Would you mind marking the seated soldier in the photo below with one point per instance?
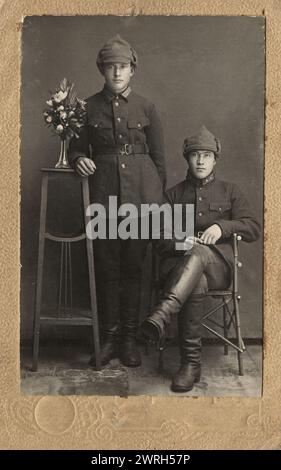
(220, 209)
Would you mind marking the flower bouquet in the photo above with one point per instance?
(66, 114)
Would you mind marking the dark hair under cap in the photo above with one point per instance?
(203, 140)
(117, 49)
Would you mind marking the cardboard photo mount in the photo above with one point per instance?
(73, 422)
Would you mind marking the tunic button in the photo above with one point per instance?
(123, 165)
(116, 103)
(200, 198)
(118, 119)
(139, 124)
(200, 214)
(120, 136)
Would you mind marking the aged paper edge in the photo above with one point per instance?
(134, 422)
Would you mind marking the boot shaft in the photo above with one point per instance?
(109, 307)
(189, 327)
(182, 282)
(129, 307)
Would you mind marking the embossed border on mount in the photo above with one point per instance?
(134, 422)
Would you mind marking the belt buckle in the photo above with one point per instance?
(126, 150)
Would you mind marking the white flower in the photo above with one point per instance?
(59, 128)
(60, 96)
(63, 114)
(49, 119)
(49, 103)
(82, 102)
(71, 113)
(61, 108)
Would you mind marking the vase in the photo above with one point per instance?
(62, 161)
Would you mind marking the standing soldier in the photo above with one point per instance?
(220, 210)
(122, 147)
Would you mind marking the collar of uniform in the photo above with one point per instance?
(198, 182)
(110, 96)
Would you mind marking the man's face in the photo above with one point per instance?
(201, 163)
(117, 76)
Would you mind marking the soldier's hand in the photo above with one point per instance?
(189, 243)
(85, 166)
(211, 235)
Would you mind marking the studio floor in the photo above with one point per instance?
(64, 370)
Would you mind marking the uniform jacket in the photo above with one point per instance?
(114, 121)
(215, 202)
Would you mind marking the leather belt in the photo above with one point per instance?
(125, 149)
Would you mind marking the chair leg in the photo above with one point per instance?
(225, 329)
(240, 363)
(240, 343)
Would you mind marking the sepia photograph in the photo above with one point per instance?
(142, 189)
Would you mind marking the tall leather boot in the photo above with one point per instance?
(129, 353)
(181, 283)
(109, 321)
(189, 326)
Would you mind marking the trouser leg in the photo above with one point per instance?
(107, 261)
(131, 271)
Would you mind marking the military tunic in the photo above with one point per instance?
(124, 137)
(215, 202)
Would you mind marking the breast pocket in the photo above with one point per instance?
(137, 129)
(220, 208)
(101, 131)
(138, 123)
(99, 123)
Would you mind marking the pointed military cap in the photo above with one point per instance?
(203, 140)
(117, 49)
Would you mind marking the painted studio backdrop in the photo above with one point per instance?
(197, 70)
